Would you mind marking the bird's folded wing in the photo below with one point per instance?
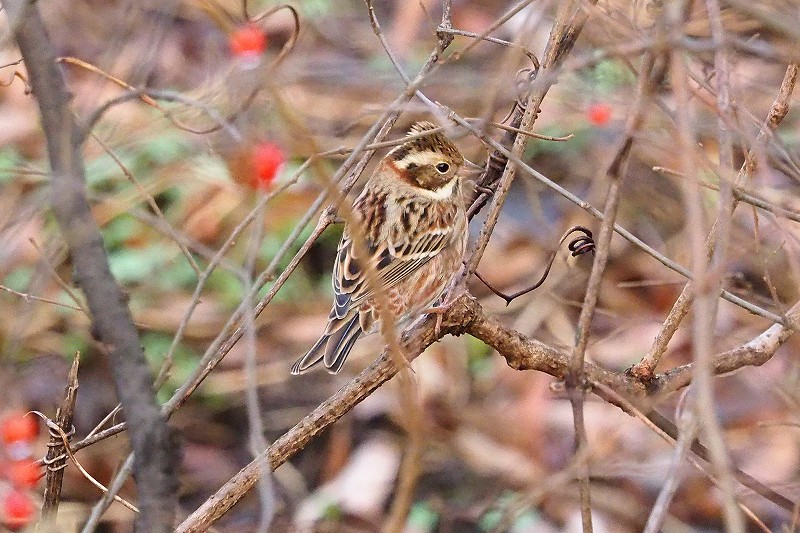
(393, 263)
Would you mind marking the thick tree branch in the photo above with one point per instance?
(111, 320)
(521, 353)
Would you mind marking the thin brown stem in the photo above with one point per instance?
(521, 353)
(56, 452)
(780, 107)
(707, 287)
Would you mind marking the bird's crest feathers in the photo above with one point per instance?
(436, 143)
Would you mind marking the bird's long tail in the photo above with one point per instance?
(332, 348)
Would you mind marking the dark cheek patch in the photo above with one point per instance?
(422, 176)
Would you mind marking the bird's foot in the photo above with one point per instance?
(439, 310)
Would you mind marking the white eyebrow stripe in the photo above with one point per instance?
(442, 193)
(420, 158)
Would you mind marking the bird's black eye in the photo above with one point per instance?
(442, 168)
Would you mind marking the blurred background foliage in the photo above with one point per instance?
(494, 437)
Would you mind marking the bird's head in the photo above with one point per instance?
(430, 161)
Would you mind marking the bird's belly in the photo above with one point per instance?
(409, 298)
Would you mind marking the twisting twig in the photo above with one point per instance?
(577, 246)
(58, 433)
(56, 452)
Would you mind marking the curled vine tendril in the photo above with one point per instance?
(580, 245)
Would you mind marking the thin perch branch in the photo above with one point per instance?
(520, 352)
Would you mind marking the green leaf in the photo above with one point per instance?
(19, 278)
(119, 230)
(9, 158)
(422, 517)
(609, 75)
(136, 265)
(164, 148)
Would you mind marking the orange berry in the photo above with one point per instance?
(16, 427)
(23, 473)
(598, 114)
(17, 510)
(267, 159)
(247, 40)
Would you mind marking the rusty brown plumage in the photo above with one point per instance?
(413, 218)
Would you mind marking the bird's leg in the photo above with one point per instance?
(439, 311)
(447, 299)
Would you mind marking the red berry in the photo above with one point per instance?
(17, 427)
(267, 160)
(23, 474)
(17, 511)
(598, 114)
(247, 41)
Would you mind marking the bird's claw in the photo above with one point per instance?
(439, 310)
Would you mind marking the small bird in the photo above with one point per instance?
(411, 214)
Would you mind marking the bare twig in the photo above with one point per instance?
(521, 353)
(29, 297)
(575, 381)
(56, 453)
(149, 199)
(688, 428)
(64, 438)
(578, 246)
(257, 440)
(109, 495)
(741, 195)
(706, 287)
(780, 107)
(669, 432)
(69, 291)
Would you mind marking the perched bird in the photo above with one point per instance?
(412, 216)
